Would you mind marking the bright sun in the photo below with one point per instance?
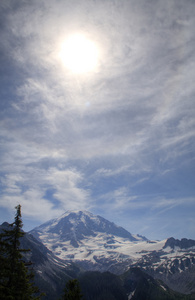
(79, 54)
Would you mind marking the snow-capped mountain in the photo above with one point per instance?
(94, 243)
(77, 225)
(90, 240)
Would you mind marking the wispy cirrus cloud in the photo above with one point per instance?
(112, 138)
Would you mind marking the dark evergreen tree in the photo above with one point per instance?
(72, 290)
(16, 280)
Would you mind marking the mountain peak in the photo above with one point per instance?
(76, 214)
(79, 224)
(81, 230)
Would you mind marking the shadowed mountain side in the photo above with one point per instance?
(134, 284)
(51, 272)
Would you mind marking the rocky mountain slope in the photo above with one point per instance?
(51, 272)
(174, 264)
(97, 244)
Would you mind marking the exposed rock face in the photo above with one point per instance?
(183, 244)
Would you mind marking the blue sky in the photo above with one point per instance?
(117, 141)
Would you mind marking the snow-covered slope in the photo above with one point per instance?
(76, 225)
(87, 238)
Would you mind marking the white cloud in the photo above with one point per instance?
(30, 185)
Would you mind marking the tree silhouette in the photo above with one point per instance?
(16, 281)
(72, 290)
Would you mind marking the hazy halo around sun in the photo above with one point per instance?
(79, 54)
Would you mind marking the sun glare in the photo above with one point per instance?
(79, 54)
